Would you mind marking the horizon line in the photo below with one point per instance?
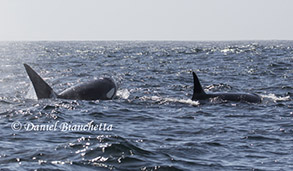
(138, 40)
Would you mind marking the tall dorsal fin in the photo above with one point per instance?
(197, 89)
(42, 89)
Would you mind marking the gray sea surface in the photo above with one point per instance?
(152, 123)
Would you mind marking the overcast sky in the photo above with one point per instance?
(146, 19)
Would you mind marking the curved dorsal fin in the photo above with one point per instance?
(197, 89)
(42, 89)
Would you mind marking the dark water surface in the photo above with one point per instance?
(152, 124)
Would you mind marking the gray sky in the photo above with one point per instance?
(146, 19)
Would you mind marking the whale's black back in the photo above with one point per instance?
(199, 94)
(100, 89)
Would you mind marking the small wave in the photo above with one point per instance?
(173, 100)
(275, 98)
(5, 101)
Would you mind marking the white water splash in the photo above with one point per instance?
(124, 93)
(174, 100)
(275, 98)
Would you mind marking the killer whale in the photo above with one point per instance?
(99, 89)
(199, 94)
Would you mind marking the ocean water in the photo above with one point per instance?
(151, 124)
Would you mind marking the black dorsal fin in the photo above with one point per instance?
(42, 89)
(197, 89)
